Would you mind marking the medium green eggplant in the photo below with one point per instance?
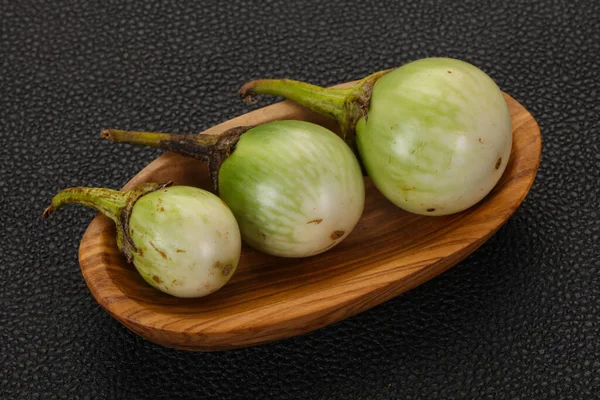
(294, 187)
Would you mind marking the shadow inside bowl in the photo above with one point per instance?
(385, 225)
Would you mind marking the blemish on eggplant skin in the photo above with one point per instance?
(226, 269)
(498, 163)
(162, 253)
(337, 234)
(315, 221)
(157, 279)
(430, 209)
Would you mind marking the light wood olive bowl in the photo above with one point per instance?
(389, 252)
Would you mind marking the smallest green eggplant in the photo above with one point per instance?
(184, 241)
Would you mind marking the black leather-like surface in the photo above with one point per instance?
(519, 319)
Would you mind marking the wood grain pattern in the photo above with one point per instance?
(269, 298)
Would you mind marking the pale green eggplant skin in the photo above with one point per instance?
(187, 241)
(438, 136)
(295, 188)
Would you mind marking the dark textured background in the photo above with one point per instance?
(519, 319)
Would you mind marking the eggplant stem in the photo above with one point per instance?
(165, 141)
(326, 101)
(107, 201)
(114, 204)
(346, 106)
(213, 149)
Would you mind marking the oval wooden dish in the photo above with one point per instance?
(389, 252)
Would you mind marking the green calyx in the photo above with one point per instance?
(346, 105)
(213, 149)
(114, 204)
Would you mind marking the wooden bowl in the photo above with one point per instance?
(389, 252)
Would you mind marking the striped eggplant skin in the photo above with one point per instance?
(438, 136)
(295, 188)
(187, 241)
